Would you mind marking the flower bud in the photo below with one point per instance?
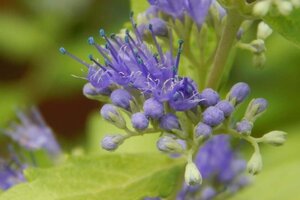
(254, 165)
(202, 130)
(244, 127)
(261, 8)
(255, 108)
(192, 175)
(159, 27)
(226, 107)
(139, 121)
(111, 113)
(121, 98)
(95, 93)
(275, 138)
(238, 93)
(169, 122)
(263, 31)
(285, 7)
(169, 145)
(210, 97)
(153, 108)
(213, 116)
(112, 142)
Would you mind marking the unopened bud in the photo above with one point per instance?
(245, 127)
(275, 138)
(139, 121)
(192, 175)
(254, 165)
(112, 142)
(121, 98)
(261, 8)
(95, 93)
(238, 93)
(111, 113)
(255, 108)
(285, 7)
(169, 145)
(263, 31)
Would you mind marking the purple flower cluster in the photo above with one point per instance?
(195, 9)
(33, 133)
(10, 173)
(221, 168)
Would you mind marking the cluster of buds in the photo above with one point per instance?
(284, 7)
(257, 47)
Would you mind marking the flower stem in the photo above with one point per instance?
(232, 25)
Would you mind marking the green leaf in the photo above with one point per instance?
(287, 26)
(138, 6)
(105, 177)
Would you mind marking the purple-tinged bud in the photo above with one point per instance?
(208, 193)
(210, 97)
(244, 127)
(139, 121)
(226, 107)
(202, 130)
(95, 93)
(112, 142)
(153, 108)
(169, 122)
(213, 116)
(121, 98)
(159, 27)
(239, 92)
(169, 145)
(111, 113)
(261, 105)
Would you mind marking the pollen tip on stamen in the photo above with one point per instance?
(127, 31)
(91, 41)
(62, 50)
(102, 32)
(91, 57)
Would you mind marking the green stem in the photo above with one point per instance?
(232, 25)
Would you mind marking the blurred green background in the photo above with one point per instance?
(32, 71)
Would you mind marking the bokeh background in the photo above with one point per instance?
(33, 72)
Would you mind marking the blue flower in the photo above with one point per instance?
(10, 175)
(196, 9)
(33, 133)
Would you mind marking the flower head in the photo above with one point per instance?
(33, 133)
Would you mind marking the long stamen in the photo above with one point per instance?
(134, 25)
(115, 39)
(65, 52)
(110, 45)
(91, 41)
(137, 57)
(180, 42)
(97, 63)
(156, 44)
(134, 44)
